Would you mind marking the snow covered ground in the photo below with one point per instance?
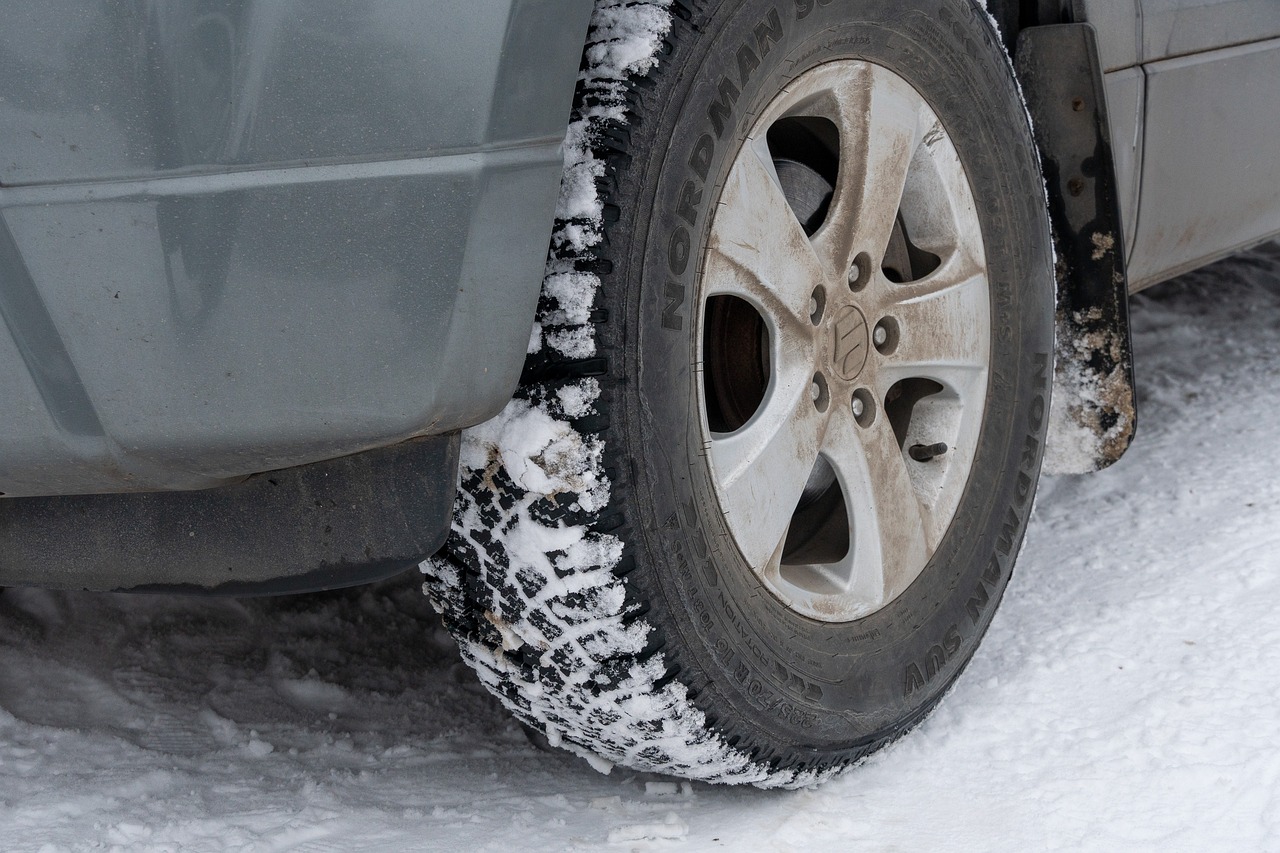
(1126, 697)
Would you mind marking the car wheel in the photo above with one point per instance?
(754, 527)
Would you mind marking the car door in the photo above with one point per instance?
(1210, 146)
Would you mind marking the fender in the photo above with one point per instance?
(1094, 412)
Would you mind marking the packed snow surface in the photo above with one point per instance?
(1124, 699)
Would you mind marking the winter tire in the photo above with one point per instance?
(756, 501)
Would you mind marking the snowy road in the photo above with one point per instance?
(1125, 698)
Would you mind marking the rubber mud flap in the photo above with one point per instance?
(1095, 412)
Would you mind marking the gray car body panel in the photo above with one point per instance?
(243, 235)
(1118, 26)
(1211, 161)
(1195, 127)
(1179, 27)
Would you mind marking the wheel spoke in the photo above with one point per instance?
(941, 322)
(944, 219)
(763, 467)
(879, 118)
(889, 541)
(758, 249)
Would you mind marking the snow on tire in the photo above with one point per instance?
(779, 430)
(528, 581)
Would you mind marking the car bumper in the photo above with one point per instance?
(340, 250)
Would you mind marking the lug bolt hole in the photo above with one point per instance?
(820, 393)
(863, 407)
(885, 336)
(817, 305)
(860, 272)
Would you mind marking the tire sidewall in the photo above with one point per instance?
(786, 681)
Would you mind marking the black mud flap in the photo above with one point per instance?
(1094, 413)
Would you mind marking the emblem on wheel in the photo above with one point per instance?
(850, 343)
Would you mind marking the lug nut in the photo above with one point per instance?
(860, 272)
(818, 390)
(885, 336)
(863, 407)
(817, 305)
